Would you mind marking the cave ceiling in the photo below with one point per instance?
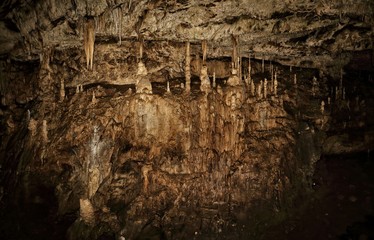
(317, 34)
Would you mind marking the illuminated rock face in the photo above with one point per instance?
(129, 155)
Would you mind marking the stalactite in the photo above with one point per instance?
(117, 17)
(204, 47)
(89, 41)
(234, 56)
(188, 68)
(249, 68)
(240, 67)
(263, 64)
(140, 44)
(214, 79)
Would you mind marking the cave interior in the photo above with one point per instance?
(186, 119)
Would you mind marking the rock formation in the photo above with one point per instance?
(223, 162)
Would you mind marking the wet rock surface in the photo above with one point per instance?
(197, 120)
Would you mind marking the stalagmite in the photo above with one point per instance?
(219, 90)
(295, 79)
(45, 131)
(89, 41)
(93, 97)
(168, 87)
(328, 100)
(77, 89)
(322, 106)
(252, 88)
(343, 95)
(204, 78)
(62, 90)
(336, 93)
(188, 68)
(32, 126)
(259, 90)
(290, 68)
(314, 86)
(86, 211)
(182, 85)
(80, 88)
(265, 87)
(275, 87)
(142, 70)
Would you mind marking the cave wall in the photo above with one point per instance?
(105, 159)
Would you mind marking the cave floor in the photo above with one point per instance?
(340, 206)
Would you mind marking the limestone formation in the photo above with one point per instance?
(252, 88)
(204, 78)
(214, 79)
(314, 86)
(232, 163)
(142, 70)
(86, 211)
(275, 87)
(89, 41)
(93, 100)
(32, 126)
(143, 85)
(234, 80)
(259, 90)
(265, 87)
(168, 87)
(62, 90)
(188, 68)
(45, 131)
